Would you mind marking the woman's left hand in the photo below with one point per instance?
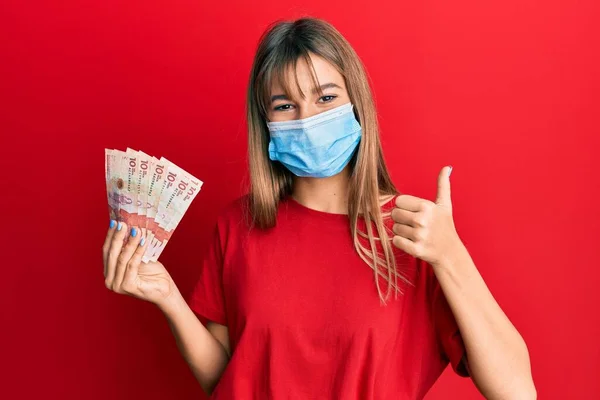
(425, 229)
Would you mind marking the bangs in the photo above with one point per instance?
(280, 63)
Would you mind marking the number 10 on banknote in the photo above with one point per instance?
(149, 193)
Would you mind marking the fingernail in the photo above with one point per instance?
(450, 172)
(119, 226)
(142, 242)
(112, 223)
(133, 232)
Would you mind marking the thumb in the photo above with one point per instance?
(443, 192)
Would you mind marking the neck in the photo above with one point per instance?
(323, 194)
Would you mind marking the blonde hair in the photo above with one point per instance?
(281, 46)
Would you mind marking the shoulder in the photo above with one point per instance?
(233, 212)
(235, 206)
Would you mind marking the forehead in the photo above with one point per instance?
(324, 72)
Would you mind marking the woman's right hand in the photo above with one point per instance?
(124, 271)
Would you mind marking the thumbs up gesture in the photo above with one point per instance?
(425, 229)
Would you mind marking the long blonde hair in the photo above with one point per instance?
(282, 45)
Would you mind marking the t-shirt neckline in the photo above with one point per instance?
(316, 213)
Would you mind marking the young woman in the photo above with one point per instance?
(324, 282)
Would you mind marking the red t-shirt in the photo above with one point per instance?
(304, 317)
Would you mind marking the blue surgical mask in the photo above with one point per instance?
(319, 146)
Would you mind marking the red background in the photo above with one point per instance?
(507, 93)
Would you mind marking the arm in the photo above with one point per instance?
(498, 359)
(206, 351)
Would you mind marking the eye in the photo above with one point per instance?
(283, 107)
(328, 98)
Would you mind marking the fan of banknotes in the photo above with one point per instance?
(148, 193)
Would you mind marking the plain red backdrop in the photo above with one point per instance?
(506, 92)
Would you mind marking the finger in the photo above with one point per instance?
(116, 245)
(126, 253)
(405, 245)
(443, 192)
(106, 246)
(133, 266)
(409, 203)
(405, 231)
(147, 255)
(401, 216)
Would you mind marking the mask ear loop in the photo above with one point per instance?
(356, 116)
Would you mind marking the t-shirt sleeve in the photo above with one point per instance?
(447, 331)
(207, 299)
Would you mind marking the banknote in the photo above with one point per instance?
(113, 183)
(157, 183)
(129, 208)
(141, 187)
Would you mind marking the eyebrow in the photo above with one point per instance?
(324, 86)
